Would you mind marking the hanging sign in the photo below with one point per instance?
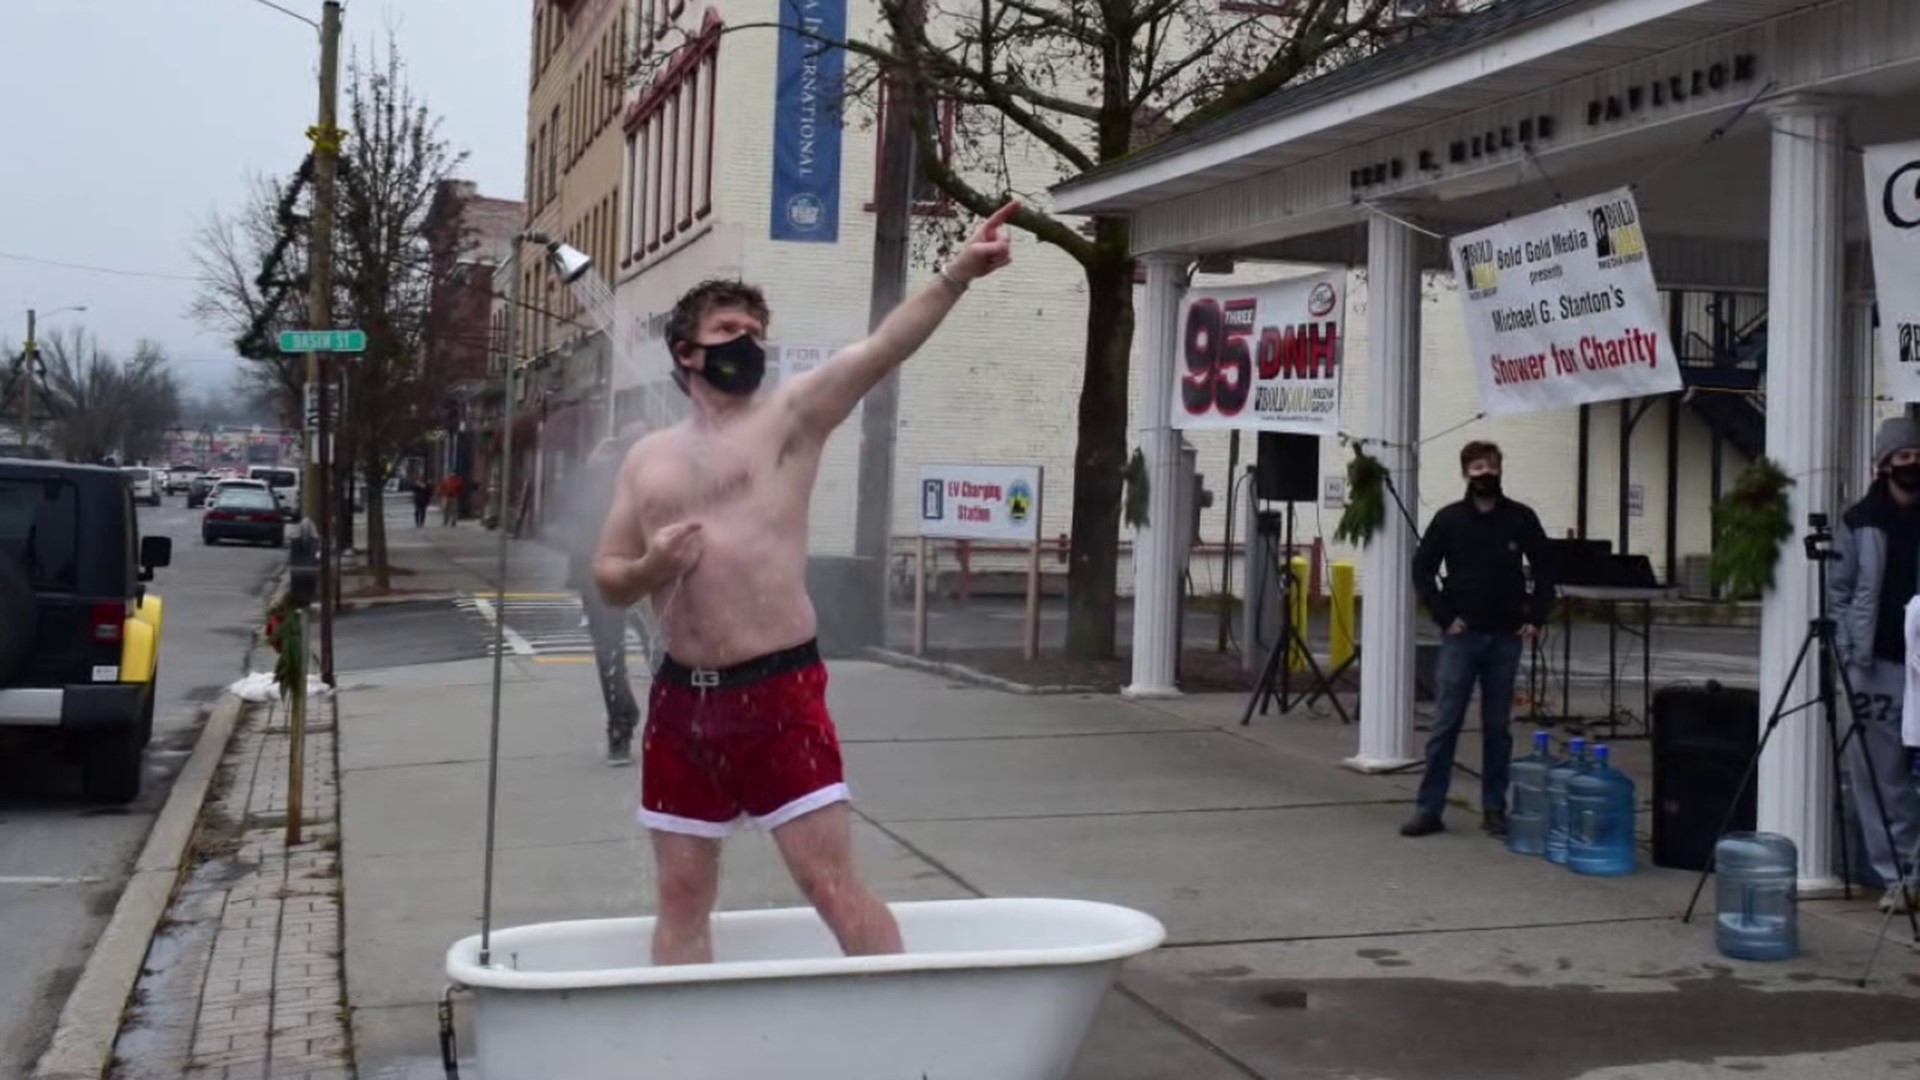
(1893, 216)
(1562, 309)
(1263, 357)
(980, 502)
(809, 76)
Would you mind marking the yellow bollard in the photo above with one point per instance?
(1297, 613)
(1341, 633)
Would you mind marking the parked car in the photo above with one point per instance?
(245, 513)
(198, 489)
(80, 651)
(285, 482)
(146, 485)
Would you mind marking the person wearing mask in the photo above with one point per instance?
(1876, 572)
(1486, 613)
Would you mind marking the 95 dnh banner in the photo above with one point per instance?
(1562, 309)
(1263, 357)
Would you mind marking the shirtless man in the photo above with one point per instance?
(709, 521)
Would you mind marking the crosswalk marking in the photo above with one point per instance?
(543, 626)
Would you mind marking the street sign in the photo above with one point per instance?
(334, 341)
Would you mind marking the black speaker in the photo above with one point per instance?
(1288, 469)
(1703, 738)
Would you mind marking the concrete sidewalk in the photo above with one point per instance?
(1307, 939)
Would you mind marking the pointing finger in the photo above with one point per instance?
(1000, 217)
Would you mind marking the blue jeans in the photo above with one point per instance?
(1493, 661)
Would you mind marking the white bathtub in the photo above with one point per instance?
(987, 990)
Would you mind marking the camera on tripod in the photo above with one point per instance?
(1819, 538)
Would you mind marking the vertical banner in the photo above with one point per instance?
(1893, 222)
(1562, 309)
(807, 121)
(1263, 357)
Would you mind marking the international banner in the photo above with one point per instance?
(808, 119)
(1562, 309)
(1263, 357)
(1893, 222)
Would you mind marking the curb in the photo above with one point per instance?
(971, 675)
(82, 1045)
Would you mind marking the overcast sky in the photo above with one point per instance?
(123, 123)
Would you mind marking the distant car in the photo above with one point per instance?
(284, 482)
(146, 486)
(180, 478)
(80, 627)
(197, 491)
(249, 513)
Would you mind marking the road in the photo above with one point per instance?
(64, 862)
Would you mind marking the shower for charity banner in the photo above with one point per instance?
(1561, 308)
(1893, 216)
(1263, 357)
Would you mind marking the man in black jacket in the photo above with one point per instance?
(1488, 614)
(591, 492)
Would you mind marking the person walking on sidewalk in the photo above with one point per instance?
(589, 493)
(422, 500)
(709, 519)
(1487, 614)
(1875, 573)
(450, 499)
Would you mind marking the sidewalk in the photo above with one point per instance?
(1307, 939)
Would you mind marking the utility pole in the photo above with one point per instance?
(892, 244)
(325, 136)
(30, 365)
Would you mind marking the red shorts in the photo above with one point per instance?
(765, 751)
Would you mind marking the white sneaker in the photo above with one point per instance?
(1898, 900)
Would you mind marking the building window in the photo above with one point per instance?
(553, 153)
(927, 196)
(670, 133)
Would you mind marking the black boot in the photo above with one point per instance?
(1494, 822)
(1423, 824)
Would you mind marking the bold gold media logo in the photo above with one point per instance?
(1483, 272)
(1616, 231)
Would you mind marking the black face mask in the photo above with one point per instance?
(1907, 476)
(1484, 486)
(735, 367)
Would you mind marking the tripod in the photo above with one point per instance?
(1291, 639)
(1828, 663)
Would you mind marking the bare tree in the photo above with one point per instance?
(100, 407)
(252, 267)
(394, 160)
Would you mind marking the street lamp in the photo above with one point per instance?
(30, 362)
(568, 264)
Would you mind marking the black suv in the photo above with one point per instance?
(79, 629)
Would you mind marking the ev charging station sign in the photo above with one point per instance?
(980, 502)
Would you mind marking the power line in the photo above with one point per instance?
(97, 269)
(288, 11)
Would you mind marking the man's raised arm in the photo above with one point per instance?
(823, 397)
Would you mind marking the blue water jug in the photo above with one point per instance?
(1600, 808)
(1755, 896)
(1557, 777)
(1527, 825)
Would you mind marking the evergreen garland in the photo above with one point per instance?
(1366, 499)
(1749, 525)
(1134, 508)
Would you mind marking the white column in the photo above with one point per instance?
(1392, 429)
(1156, 550)
(1855, 414)
(1805, 299)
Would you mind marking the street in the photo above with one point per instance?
(63, 862)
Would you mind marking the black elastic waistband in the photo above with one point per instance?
(743, 673)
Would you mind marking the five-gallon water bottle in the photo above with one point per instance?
(1557, 777)
(1527, 825)
(1754, 894)
(1600, 808)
